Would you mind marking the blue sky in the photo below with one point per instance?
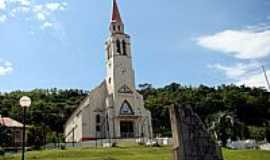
(60, 43)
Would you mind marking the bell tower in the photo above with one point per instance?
(118, 55)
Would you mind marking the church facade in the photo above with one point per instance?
(114, 109)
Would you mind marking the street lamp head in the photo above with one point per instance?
(25, 102)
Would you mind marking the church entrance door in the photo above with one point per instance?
(127, 129)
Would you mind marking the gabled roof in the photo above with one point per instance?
(116, 17)
(11, 123)
(81, 105)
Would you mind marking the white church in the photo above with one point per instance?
(114, 109)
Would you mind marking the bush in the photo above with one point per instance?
(63, 147)
(257, 133)
(267, 134)
(2, 152)
(114, 144)
(5, 136)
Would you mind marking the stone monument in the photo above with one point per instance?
(192, 140)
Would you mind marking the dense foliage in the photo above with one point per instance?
(5, 136)
(228, 111)
(49, 111)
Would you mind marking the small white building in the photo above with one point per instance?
(114, 109)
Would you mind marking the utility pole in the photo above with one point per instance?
(266, 77)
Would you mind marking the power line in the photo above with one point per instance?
(266, 77)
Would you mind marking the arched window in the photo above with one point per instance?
(98, 118)
(126, 109)
(118, 46)
(124, 47)
(107, 123)
(109, 52)
(98, 128)
(110, 80)
(114, 28)
(119, 28)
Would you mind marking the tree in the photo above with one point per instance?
(249, 107)
(5, 135)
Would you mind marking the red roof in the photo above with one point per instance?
(116, 17)
(8, 122)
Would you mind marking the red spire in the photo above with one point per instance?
(116, 17)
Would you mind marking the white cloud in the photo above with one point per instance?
(2, 4)
(256, 80)
(24, 2)
(46, 25)
(249, 74)
(5, 67)
(3, 18)
(238, 71)
(49, 8)
(19, 10)
(44, 13)
(37, 8)
(41, 16)
(21, 2)
(251, 43)
(56, 6)
(8, 64)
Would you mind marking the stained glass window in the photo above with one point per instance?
(126, 109)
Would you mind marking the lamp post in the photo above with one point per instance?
(25, 102)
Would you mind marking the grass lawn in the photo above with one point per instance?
(129, 153)
(246, 155)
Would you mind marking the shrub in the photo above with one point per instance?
(257, 133)
(63, 147)
(267, 134)
(2, 152)
(114, 144)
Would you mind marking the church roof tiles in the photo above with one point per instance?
(8, 122)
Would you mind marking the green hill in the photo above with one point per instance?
(229, 111)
